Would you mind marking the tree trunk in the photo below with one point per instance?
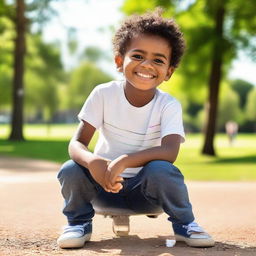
(214, 83)
(19, 54)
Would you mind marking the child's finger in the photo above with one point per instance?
(116, 188)
(117, 185)
(108, 185)
(119, 179)
(113, 184)
(116, 179)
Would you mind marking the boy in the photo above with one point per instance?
(140, 134)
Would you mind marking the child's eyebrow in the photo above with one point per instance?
(156, 54)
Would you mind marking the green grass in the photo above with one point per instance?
(233, 163)
(42, 142)
(237, 162)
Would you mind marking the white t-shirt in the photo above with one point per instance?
(124, 128)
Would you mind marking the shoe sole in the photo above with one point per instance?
(193, 242)
(74, 242)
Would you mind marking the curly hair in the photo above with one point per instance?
(154, 24)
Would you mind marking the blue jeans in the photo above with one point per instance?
(158, 185)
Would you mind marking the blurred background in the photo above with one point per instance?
(54, 52)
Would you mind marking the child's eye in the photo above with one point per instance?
(159, 61)
(137, 57)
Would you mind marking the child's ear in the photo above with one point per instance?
(169, 73)
(119, 63)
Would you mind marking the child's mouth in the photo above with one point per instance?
(143, 75)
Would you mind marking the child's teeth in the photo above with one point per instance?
(144, 75)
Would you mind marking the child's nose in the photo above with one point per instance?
(146, 63)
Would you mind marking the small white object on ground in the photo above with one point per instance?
(170, 243)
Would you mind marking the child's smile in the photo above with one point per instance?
(146, 63)
(143, 75)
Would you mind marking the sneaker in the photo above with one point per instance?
(75, 236)
(192, 234)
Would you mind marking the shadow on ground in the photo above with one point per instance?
(244, 159)
(131, 245)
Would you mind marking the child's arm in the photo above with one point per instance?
(78, 151)
(168, 151)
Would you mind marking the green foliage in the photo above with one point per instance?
(197, 21)
(83, 80)
(43, 75)
(197, 28)
(229, 108)
(72, 40)
(39, 12)
(43, 66)
(131, 6)
(93, 54)
(242, 88)
(7, 10)
(6, 58)
(251, 105)
(46, 89)
(242, 22)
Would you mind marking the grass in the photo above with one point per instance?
(233, 163)
(237, 162)
(42, 142)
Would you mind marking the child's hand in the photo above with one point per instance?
(116, 186)
(98, 169)
(115, 168)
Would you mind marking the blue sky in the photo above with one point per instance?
(92, 19)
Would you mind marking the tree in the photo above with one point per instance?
(19, 53)
(83, 80)
(6, 45)
(218, 10)
(251, 107)
(93, 54)
(215, 30)
(242, 88)
(21, 24)
(43, 76)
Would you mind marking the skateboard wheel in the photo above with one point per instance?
(121, 225)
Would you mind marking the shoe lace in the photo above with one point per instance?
(193, 228)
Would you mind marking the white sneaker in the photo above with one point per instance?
(192, 234)
(75, 236)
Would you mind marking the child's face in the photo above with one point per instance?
(146, 63)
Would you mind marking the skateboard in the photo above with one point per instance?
(111, 206)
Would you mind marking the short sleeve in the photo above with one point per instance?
(92, 110)
(171, 120)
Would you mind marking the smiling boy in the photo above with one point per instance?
(140, 131)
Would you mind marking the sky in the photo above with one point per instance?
(92, 19)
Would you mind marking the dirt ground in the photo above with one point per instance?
(31, 218)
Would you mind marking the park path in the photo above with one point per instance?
(30, 217)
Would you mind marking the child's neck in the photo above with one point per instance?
(138, 98)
